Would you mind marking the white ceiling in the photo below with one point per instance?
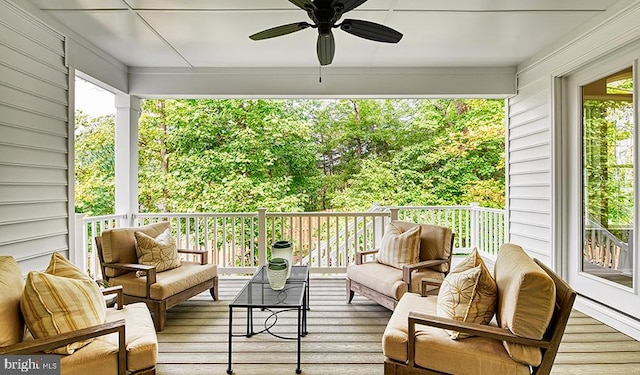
(215, 33)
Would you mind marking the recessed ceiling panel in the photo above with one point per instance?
(79, 4)
(122, 35)
(503, 5)
(236, 4)
(474, 39)
(222, 39)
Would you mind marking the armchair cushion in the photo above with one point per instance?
(160, 251)
(54, 304)
(468, 293)
(388, 280)
(527, 297)
(168, 283)
(400, 246)
(118, 245)
(435, 349)
(102, 352)
(11, 322)
(435, 242)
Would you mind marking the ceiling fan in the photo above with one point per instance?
(325, 14)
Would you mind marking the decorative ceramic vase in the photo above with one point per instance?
(284, 250)
(277, 273)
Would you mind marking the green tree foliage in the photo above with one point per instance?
(94, 164)
(306, 155)
(419, 152)
(225, 155)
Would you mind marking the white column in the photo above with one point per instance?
(126, 150)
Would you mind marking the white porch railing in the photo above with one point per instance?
(605, 249)
(327, 241)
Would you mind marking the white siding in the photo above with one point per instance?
(529, 145)
(34, 144)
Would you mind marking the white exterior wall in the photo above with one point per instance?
(529, 166)
(534, 173)
(34, 140)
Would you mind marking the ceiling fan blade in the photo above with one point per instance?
(371, 30)
(303, 4)
(326, 48)
(279, 31)
(349, 4)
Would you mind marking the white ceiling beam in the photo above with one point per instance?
(336, 82)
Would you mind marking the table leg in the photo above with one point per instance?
(249, 322)
(304, 316)
(298, 369)
(229, 370)
(307, 295)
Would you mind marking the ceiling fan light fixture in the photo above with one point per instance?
(325, 14)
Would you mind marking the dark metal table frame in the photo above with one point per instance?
(258, 294)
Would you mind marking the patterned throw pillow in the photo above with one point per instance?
(468, 294)
(399, 247)
(61, 299)
(160, 252)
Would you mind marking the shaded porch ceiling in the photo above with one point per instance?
(215, 33)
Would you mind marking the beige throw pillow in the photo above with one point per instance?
(160, 252)
(399, 247)
(468, 294)
(61, 299)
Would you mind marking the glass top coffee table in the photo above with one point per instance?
(258, 294)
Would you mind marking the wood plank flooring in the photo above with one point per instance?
(343, 339)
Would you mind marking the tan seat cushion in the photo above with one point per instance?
(388, 280)
(435, 349)
(142, 342)
(435, 243)
(468, 293)
(118, 245)
(400, 247)
(102, 353)
(54, 304)
(11, 323)
(160, 251)
(168, 283)
(526, 300)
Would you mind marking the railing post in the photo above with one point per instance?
(475, 225)
(126, 220)
(262, 236)
(78, 254)
(394, 212)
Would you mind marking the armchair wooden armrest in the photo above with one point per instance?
(115, 290)
(466, 327)
(149, 270)
(361, 254)
(204, 254)
(53, 342)
(429, 281)
(406, 270)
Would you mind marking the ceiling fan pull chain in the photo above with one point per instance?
(319, 73)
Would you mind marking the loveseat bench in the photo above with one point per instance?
(124, 343)
(531, 312)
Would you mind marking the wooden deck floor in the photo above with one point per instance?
(343, 339)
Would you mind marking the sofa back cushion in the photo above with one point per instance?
(11, 323)
(119, 245)
(435, 242)
(526, 300)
